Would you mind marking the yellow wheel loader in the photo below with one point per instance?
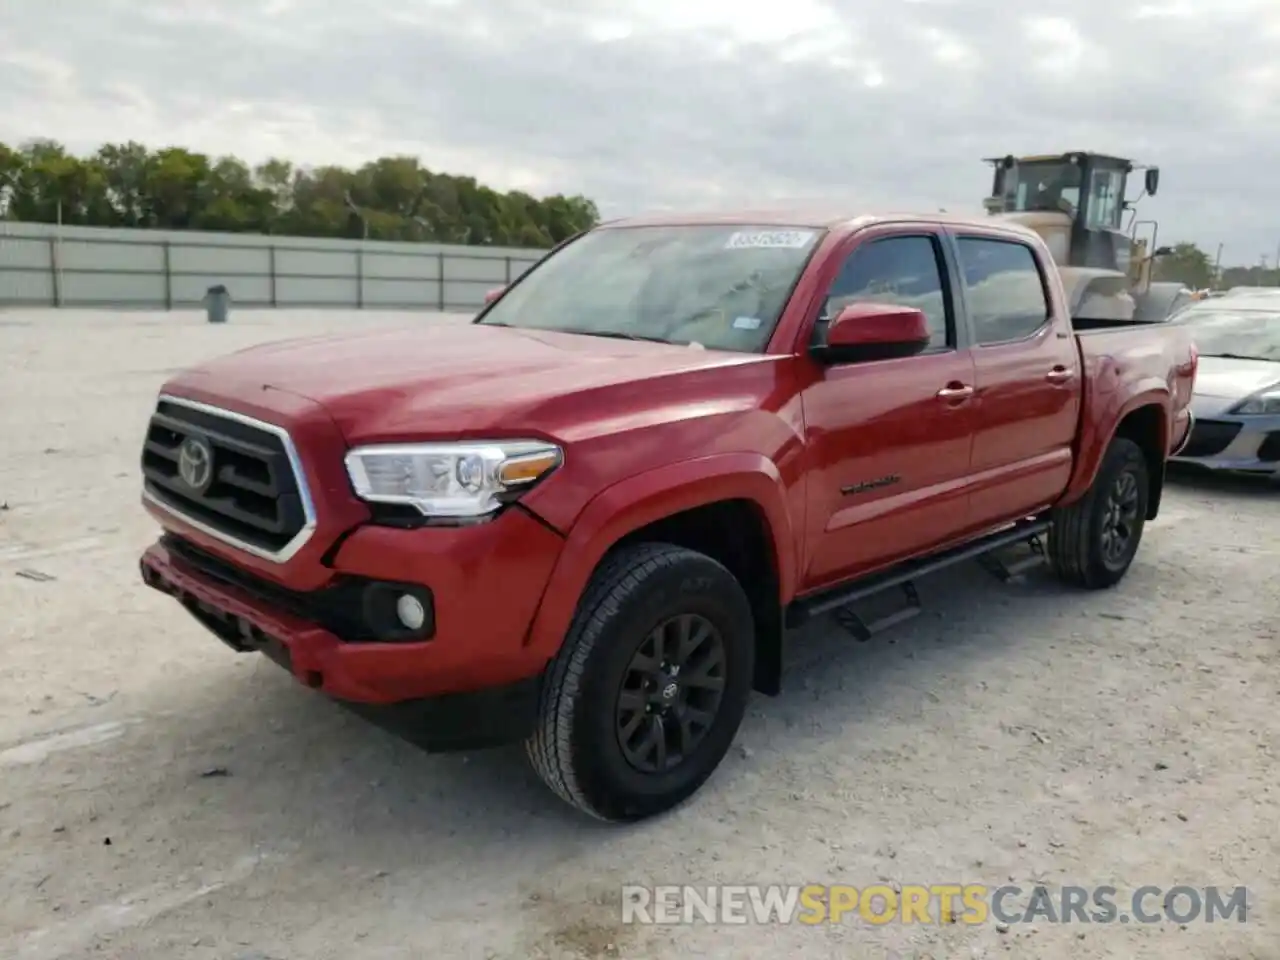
(1076, 202)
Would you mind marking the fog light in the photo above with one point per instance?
(396, 612)
(411, 612)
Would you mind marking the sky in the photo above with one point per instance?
(642, 105)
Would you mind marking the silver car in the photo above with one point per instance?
(1237, 390)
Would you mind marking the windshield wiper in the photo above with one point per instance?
(621, 335)
(612, 334)
(1236, 356)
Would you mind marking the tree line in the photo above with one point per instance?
(1194, 267)
(392, 198)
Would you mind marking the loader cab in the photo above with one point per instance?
(1076, 200)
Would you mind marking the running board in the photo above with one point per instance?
(903, 577)
(1009, 572)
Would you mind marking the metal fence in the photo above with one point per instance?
(46, 265)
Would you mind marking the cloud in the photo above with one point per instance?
(883, 104)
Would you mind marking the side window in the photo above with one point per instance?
(1106, 200)
(1004, 289)
(898, 270)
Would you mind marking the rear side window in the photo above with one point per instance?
(1004, 289)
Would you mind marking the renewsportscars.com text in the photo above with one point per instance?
(930, 904)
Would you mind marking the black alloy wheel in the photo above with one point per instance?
(671, 693)
(1094, 539)
(649, 688)
(1120, 517)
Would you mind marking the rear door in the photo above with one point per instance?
(1028, 378)
(889, 439)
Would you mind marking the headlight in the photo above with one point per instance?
(1268, 401)
(458, 480)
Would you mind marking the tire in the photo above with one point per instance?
(1078, 538)
(577, 746)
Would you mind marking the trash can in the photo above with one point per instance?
(217, 303)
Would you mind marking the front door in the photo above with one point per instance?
(889, 440)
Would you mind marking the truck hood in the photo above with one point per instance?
(440, 381)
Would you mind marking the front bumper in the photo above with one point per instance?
(1244, 444)
(473, 683)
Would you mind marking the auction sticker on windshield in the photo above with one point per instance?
(785, 239)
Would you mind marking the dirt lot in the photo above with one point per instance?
(163, 798)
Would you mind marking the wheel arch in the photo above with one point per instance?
(1146, 422)
(731, 507)
(1147, 425)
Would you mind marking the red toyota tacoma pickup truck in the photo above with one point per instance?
(586, 519)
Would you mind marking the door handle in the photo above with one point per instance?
(1059, 374)
(955, 391)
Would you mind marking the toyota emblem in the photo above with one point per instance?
(195, 463)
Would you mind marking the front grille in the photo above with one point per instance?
(1209, 438)
(1269, 452)
(251, 497)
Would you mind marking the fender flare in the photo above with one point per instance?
(1089, 458)
(637, 501)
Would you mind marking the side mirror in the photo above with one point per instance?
(873, 331)
(1162, 252)
(493, 295)
(1151, 180)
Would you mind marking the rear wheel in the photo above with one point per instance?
(1093, 541)
(650, 686)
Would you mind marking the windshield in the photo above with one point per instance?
(722, 287)
(1251, 335)
(1042, 185)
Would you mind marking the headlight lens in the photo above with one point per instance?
(1268, 401)
(459, 480)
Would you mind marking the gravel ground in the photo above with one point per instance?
(163, 798)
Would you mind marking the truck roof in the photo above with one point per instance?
(825, 217)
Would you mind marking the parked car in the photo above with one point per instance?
(585, 520)
(1237, 392)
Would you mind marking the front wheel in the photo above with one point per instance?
(1093, 541)
(645, 697)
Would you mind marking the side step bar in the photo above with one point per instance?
(903, 577)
